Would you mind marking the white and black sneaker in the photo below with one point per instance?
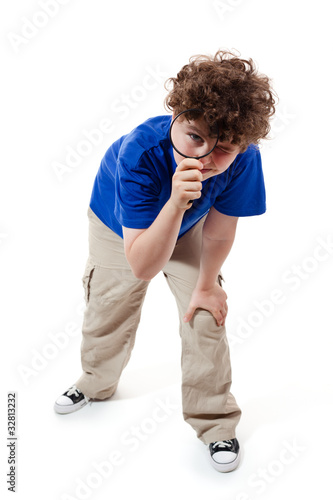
(70, 401)
(224, 455)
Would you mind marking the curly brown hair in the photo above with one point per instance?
(231, 93)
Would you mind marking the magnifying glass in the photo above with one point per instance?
(191, 136)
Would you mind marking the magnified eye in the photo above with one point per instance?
(196, 138)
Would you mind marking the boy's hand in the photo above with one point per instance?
(212, 299)
(186, 183)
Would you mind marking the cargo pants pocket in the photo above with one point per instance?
(86, 279)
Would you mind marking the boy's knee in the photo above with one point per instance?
(204, 323)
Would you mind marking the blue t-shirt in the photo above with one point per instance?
(134, 182)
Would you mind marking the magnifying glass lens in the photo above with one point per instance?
(191, 136)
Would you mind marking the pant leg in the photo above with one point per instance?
(208, 405)
(114, 299)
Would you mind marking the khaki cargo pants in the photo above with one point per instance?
(114, 299)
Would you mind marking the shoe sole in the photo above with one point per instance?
(229, 467)
(63, 410)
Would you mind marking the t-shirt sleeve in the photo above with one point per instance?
(137, 189)
(245, 193)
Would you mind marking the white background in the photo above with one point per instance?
(73, 71)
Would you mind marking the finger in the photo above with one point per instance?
(224, 311)
(220, 322)
(192, 174)
(191, 186)
(193, 195)
(222, 317)
(188, 315)
(186, 197)
(189, 163)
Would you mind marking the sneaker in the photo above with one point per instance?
(224, 455)
(70, 401)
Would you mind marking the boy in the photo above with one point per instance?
(157, 208)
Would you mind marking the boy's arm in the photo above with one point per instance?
(217, 239)
(148, 250)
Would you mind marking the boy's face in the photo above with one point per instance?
(192, 135)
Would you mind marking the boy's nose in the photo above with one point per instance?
(206, 159)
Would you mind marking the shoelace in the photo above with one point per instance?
(76, 391)
(223, 444)
(73, 390)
